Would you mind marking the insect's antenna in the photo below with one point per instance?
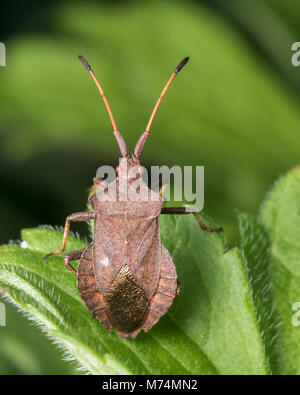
(117, 134)
(144, 136)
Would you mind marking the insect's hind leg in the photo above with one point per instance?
(72, 256)
(186, 210)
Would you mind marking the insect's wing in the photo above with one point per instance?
(144, 251)
(109, 247)
(127, 233)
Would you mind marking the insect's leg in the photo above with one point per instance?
(161, 185)
(72, 256)
(96, 182)
(178, 290)
(204, 227)
(186, 210)
(82, 216)
(162, 189)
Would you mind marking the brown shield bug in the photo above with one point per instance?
(126, 277)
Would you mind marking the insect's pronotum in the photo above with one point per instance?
(126, 277)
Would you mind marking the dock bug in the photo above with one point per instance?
(126, 277)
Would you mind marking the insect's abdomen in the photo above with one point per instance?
(126, 302)
(88, 288)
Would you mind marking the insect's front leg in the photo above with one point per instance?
(96, 182)
(186, 210)
(82, 216)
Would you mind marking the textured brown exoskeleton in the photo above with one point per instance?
(126, 276)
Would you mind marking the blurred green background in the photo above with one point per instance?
(234, 109)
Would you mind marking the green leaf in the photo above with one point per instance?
(24, 349)
(216, 308)
(271, 249)
(255, 250)
(211, 327)
(280, 215)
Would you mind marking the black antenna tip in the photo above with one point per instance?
(84, 62)
(181, 64)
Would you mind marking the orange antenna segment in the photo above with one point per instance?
(144, 136)
(117, 134)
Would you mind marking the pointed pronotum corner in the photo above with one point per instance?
(2, 54)
(2, 314)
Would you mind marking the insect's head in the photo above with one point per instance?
(129, 168)
(131, 162)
